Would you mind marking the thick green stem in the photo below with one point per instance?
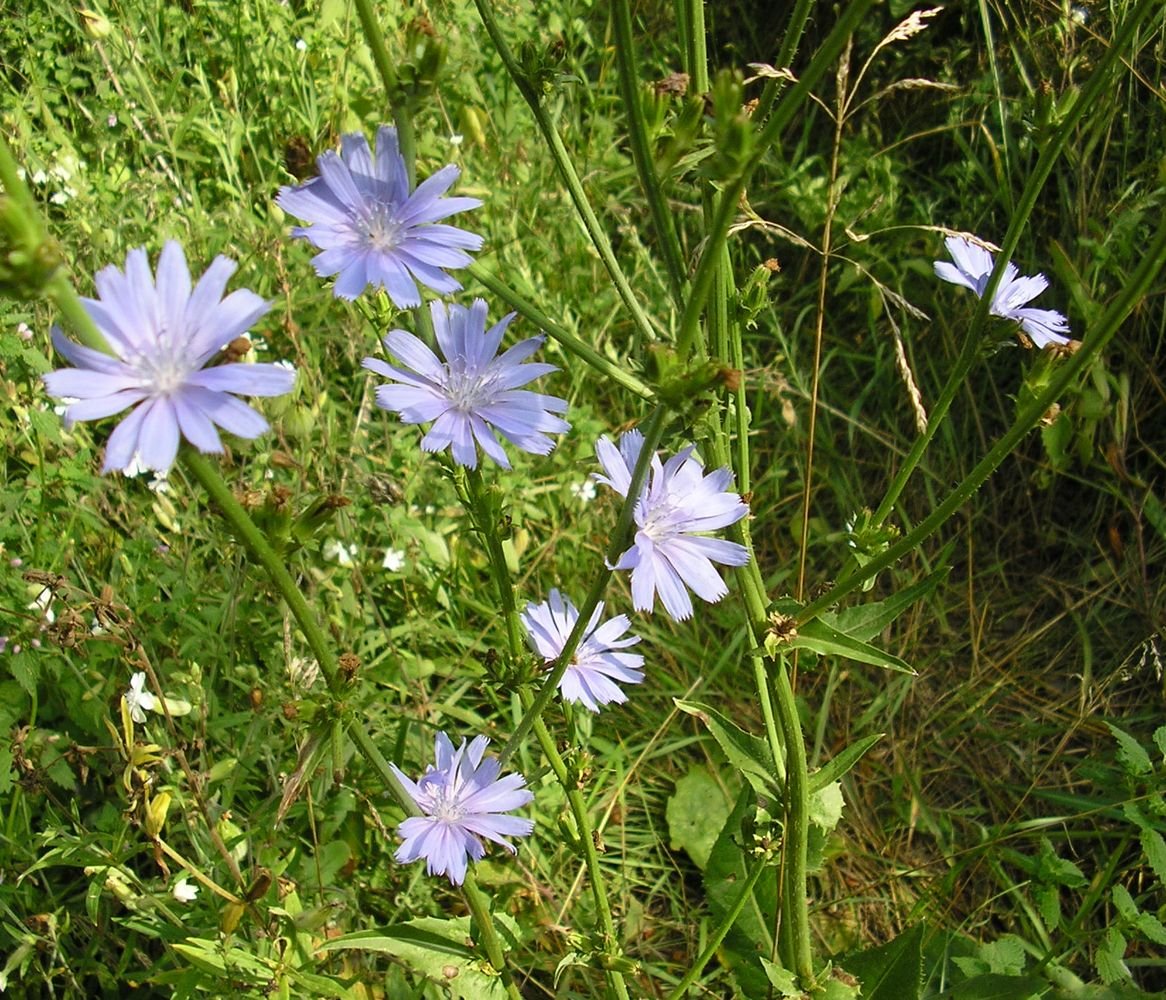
(629, 85)
(567, 172)
(375, 38)
(1151, 263)
(1050, 154)
(568, 341)
(653, 431)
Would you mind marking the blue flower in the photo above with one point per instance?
(972, 268)
(473, 394)
(371, 230)
(463, 799)
(597, 663)
(680, 502)
(162, 336)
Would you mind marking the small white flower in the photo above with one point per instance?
(96, 628)
(24, 331)
(301, 45)
(456, 139)
(337, 550)
(39, 177)
(302, 672)
(159, 483)
(584, 491)
(184, 892)
(44, 604)
(111, 121)
(394, 560)
(280, 364)
(139, 700)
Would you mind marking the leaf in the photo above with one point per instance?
(994, 986)
(1110, 966)
(1124, 902)
(1005, 956)
(434, 948)
(696, 813)
(893, 971)
(1131, 753)
(842, 762)
(749, 939)
(865, 621)
(784, 981)
(1160, 741)
(748, 754)
(826, 806)
(1155, 850)
(825, 640)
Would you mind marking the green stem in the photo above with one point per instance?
(375, 38)
(567, 172)
(484, 516)
(723, 928)
(1152, 261)
(729, 198)
(260, 549)
(785, 55)
(625, 52)
(568, 341)
(1050, 153)
(653, 431)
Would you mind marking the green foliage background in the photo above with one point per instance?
(997, 807)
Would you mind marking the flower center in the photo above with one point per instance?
(467, 391)
(381, 229)
(445, 806)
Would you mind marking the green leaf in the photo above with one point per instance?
(893, 971)
(995, 986)
(825, 640)
(826, 806)
(696, 813)
(784, 981)
(728, 866)
(1110, 966)
(865, 621)
(433, 948)
(1155, 850)
(1160, 741)
(842, 762)
(748, 754)
(1005, 956)
(1131, 753)
(1124, 902)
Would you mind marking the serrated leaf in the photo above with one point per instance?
(748, 754)
(696, 813)
(1048, 901)
(826, 805)
(893, 971)
(1131, 753)
(1160, 741)
(1154, 848)
(842, 762)
(1151, 928)
(1124, 902)
(1005, 956)
(1110, 966)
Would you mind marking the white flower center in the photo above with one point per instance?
(467, 391)
(381, 229)
(445, 805)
